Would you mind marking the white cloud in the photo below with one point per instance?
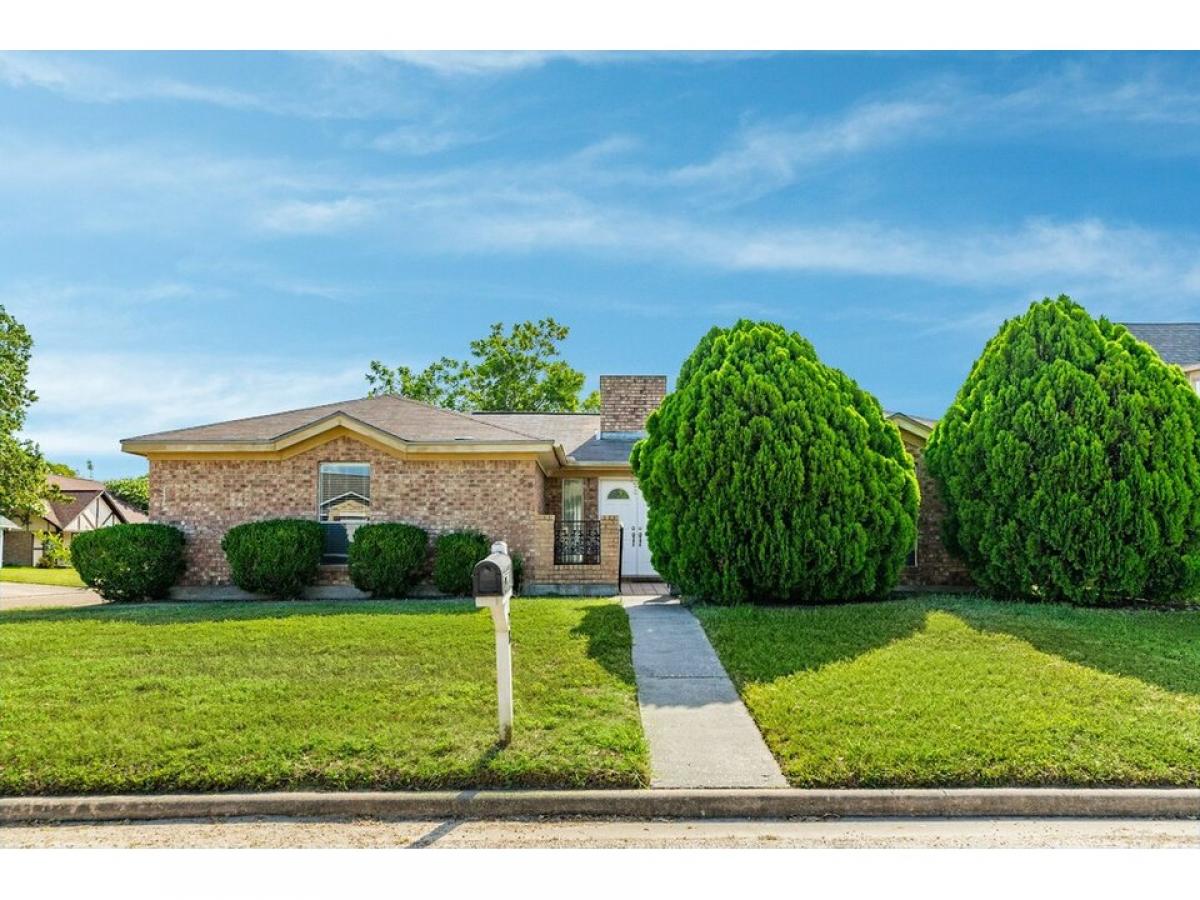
(317, 217)
(768, 156)
(420, 140)
(89, 401)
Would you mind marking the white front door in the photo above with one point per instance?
(620, 497)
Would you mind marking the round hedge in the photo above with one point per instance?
(386, 558)
(277, 557)
(140, 561)
(455, 555)
(772, 477)
(1070, 464)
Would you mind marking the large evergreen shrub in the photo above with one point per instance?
(454, 558)
(1070, 464)
(770, 476)
(386, 558)
(278, 557)
(129, 562)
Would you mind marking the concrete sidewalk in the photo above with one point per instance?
(699, 731)
(19, 596)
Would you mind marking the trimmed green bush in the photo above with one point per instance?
(129, 562)
(386, 559)
(772, 477)
(1070, 464)
(277, 557)
(454, 558)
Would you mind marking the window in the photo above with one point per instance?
(910, 561)
(344, 492)
(570, 526)
(572, 499)
(343, 503)
(618, 494)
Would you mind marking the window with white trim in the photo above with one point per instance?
(344, 492)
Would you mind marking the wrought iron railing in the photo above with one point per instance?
(577, 543)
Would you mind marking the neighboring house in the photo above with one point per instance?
(82, 505)
(6, 525)
(930, 564)
(557, 487)
(1176, 342)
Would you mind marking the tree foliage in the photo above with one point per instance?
(22, 468)
(1070, 464)
(133, 491)
(520, 371)
(770, 476)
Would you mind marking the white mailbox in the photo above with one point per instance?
(492, 585)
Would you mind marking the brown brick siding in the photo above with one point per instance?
(206, 498)
(545, 572)
(627, 400)
(935, 566)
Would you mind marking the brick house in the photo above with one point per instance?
(557, 487)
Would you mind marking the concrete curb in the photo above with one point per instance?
(776, 803)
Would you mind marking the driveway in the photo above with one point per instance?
(43, 596)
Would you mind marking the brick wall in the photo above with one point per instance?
(627, 400)
(545, 572)
(206, 498)
(935, 566)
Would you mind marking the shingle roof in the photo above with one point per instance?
(1176, 342)
(608, 449)
(571, 430)
(398, 416)
(77, 494)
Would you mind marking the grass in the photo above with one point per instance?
(223, 696)
(961, 691)
(67, 577)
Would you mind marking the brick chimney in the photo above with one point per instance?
(627, 400)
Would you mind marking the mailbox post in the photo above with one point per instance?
(491, 583)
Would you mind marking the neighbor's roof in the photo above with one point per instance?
(1176, 342)
(405, 419)
(571, 430)
(78, 493)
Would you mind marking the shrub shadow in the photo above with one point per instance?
(763, 643)
(1160, 647)
(610, 641)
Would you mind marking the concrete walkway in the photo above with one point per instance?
(699, 732)
(20, 596)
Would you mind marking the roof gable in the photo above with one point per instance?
(398, 417)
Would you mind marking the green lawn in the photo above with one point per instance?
(958, 691)
(33, 575)
(221, 696)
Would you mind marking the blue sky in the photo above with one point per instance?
(193, 237)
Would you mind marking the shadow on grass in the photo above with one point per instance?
(176, 613)
(610, 641)
(1160, 647)
(762, 643)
